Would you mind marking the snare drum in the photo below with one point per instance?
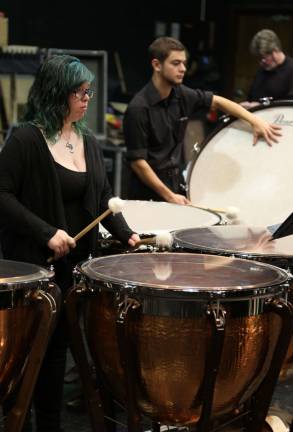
(230, 171)
(184, 316)
(248, 242)
(28, 306)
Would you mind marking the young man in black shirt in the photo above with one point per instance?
(155, 123)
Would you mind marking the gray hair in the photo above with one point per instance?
(265, 42)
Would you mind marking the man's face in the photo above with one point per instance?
(174, 67)
(268, 61)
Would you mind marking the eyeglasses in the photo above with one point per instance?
(80, 94)
(267, 57)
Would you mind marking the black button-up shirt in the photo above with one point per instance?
(154, 128)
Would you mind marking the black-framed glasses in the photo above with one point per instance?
(80, 93)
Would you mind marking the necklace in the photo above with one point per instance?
(61, 137)
(69, 147)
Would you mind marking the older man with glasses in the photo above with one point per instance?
(274, 77)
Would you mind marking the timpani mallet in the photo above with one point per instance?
(115, 205)
(162, 240)
(230, 212)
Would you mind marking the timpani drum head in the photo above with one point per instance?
(194, 274)
(240, 240)
(19, 273)
(230, 171)
(153, 217)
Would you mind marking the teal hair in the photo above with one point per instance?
(47, 104)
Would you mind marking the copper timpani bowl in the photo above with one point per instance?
(21, 310)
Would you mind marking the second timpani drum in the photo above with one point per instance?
(153, 217)
(150, 218)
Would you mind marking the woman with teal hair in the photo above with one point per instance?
(53, 183)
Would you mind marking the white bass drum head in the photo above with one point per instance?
(230, 171)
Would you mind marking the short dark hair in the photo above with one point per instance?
(265, 42)
(161, 47)
(47, 104)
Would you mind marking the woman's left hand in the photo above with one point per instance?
(270, 132)
(133, 239)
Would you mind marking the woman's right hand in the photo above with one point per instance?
(61, 243)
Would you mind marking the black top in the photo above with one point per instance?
(31, 202)
(73, 188)
(154, 128)
(276, 83)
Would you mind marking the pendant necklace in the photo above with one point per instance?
(69, 147)
(68, 144)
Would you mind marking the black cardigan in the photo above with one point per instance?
(31, 206)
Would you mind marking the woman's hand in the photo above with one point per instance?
(133, 240)
(270, 132)
(61, 243)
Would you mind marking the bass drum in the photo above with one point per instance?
(230, 171)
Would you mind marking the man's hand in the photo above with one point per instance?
(270, 132)
(178, 199)
(261, 128)
(61, 243)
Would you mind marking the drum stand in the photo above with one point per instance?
(92, 394)
(16, 416)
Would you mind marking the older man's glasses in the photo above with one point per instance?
(80, 94)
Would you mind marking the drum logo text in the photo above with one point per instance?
(280, 120)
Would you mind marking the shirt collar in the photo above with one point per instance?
(153, 96)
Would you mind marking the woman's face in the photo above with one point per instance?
(78, 102)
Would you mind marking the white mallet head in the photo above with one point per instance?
(164, 240)
(232, 213)
(116, 205)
